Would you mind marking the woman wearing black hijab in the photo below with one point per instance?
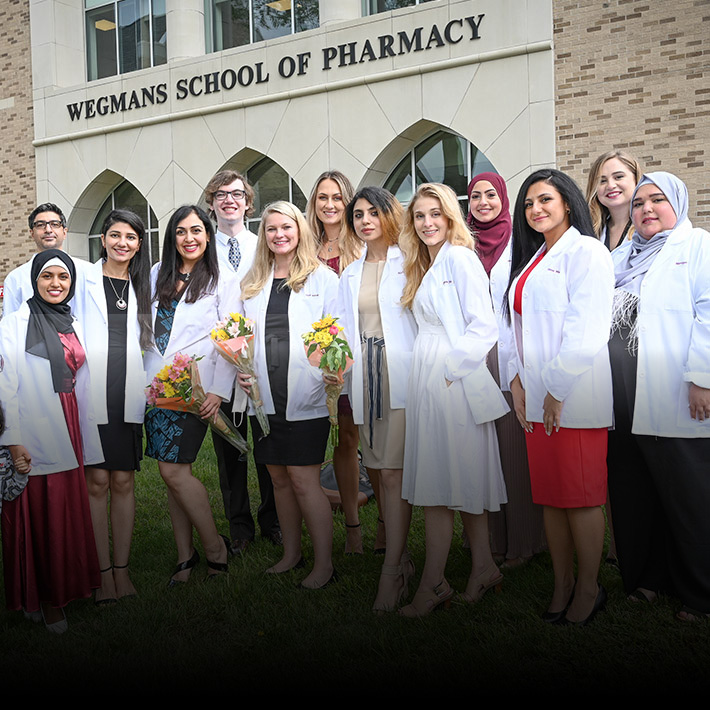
(49, 551)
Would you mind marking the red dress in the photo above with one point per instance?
(567, 469)
(49, 552)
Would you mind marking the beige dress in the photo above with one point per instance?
(382, 434)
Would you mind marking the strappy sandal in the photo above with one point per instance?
(427, 601)
(108, 601)
(219, 568)
(182, 566)
(482, 583)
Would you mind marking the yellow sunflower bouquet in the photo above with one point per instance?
(328, 350)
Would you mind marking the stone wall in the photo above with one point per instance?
(635, 74)
(17, 161)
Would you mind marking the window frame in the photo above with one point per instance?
(91, 6)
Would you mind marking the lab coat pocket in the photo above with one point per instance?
(676, 293)
(550, 292)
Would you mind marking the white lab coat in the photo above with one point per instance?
(306, 390)
(190, 335)
(561, 339)
(398, 326)
(17, 287)
(462, 301)
(90, 308)
(33, 410)
(499, 277)
(673, 334)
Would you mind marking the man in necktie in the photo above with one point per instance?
(231, 199)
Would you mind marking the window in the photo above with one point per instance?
(372, 7)
(233, 23)
(123, 36)
(271, 183)
(125, 196)
(442, 157)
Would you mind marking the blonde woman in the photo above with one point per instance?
(610, 186)
(451, 459)
(325, 211)
(286, 290)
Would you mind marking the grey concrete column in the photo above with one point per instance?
(185, 28)
(332, 11)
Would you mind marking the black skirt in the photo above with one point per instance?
(299, 443)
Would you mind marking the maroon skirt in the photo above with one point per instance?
(568, 468)
(48, 546)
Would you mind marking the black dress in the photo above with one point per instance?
(299, 443)
(121, 440)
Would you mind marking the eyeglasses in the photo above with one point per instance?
(54, 224)
(221, 195)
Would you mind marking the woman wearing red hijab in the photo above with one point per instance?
(517, 530)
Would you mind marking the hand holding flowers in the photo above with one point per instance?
(234, 339)
(329, 351)
(177, 387)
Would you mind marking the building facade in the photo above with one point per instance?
(138, 102)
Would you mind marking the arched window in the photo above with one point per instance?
(125, 196)
(442, 157)
(271, 182)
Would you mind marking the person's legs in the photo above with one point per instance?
(190, 507)
(587, 529)
(561, 546)
(347, 474)
(433, 588)
(484, 571)
(318, 517)
(97, 485)
(290, 517)
(395, 573)
(123, 513)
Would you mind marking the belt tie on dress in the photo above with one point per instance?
(375, 346)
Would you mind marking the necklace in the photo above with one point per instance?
(330, 243)
(184, 277)
(120, 302)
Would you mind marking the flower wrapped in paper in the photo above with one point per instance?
(329, 351)
(177, 387)
(234, 339)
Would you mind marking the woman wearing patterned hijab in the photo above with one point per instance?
(49, 552)
(660, 356)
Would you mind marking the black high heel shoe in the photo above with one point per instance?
(188, 564)
(599, 604)
(556, 617)
(219, 567)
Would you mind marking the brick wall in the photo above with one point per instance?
(17, 157)
(635, 74)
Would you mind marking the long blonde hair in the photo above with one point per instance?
(597, 211)
(416, 254)
(350, 247)
(305, 260)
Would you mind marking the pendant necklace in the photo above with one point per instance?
(120, 302)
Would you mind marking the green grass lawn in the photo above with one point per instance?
(249, 632)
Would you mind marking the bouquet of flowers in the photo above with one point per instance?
(177, 387)
(329, 351)
(234, 339)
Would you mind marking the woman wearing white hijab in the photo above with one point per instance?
(660, 354)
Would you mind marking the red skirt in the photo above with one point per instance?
(567, 469)
(49, 551)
